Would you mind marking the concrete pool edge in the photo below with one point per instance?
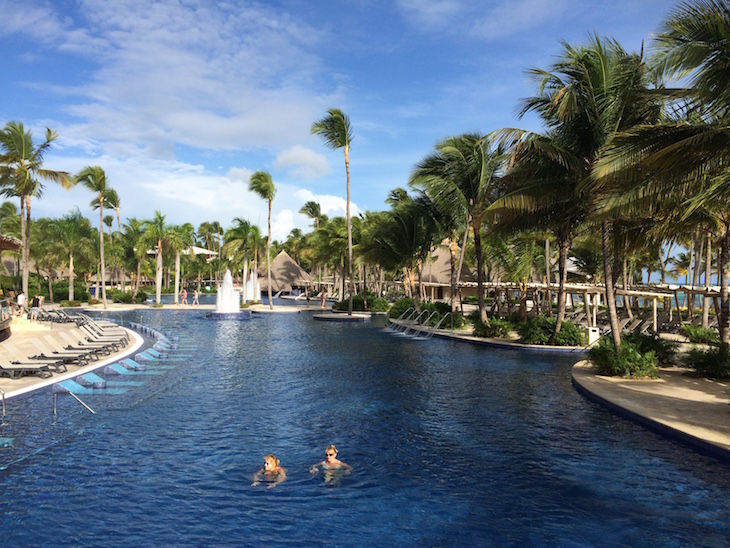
(698, 417)
(136, 342)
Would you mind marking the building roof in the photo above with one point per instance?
(285, 274)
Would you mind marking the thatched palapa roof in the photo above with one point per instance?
(437, 268)
(8, 242)
(286, 274)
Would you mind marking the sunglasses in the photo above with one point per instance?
(330, 454)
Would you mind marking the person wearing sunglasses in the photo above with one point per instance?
(332, 468)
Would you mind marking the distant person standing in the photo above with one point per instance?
(322, 299)
(21, 303)
(196, 294)
(34, 306)
(185, 296)
(309, 298)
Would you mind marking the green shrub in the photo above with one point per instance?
(570, 335)
(65, 304)
(494, 328)
(665, 350)
(700, 335)
(358, 303)
(536, 330)
(713, 362)
(117, 296)
(400, 306)
(141, 297)
(626, 362)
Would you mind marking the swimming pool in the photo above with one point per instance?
(451, 444)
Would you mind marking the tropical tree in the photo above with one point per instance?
(134, 248)
(336, 132)
(22, 175)
(685, 158)
(155, 233)
(94, 178)
(111, 199)
(180, 237)
(262, 184)
(73, 238)
(462, 178)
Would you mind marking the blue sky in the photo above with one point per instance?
(181, 100)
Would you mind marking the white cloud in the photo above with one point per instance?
(302, 162)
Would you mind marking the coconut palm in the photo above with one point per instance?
(132, 238)
(73, 237)
(462, 179)
(22, 175)
(685, 158)
(179, 237)
(336, 132)
(94, 178)
(111, 199)
(155, 233)
(262, 184)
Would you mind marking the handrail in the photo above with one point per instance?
(415, 322)
(431, 332)
(55, 400)
(3, 395)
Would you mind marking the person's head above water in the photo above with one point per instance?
(271, 463)
(331, 453)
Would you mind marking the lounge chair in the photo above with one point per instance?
(49, 351)
(75, 341)
(15, 370)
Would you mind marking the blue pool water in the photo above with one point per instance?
(451, 444)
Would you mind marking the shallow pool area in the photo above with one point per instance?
(450, 443)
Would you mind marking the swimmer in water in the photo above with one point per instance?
(272, 472)
(332, 469)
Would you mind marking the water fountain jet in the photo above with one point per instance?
(228, 302)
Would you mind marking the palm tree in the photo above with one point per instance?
(685, 158)
(111, 199)
(94, 178)
(462, 179)
(155, 232)
(336, 132)
(21, 175)
(262, 184)
(74, 238)
(132, 238)
(180, 237)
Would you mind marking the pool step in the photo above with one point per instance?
(91, 380)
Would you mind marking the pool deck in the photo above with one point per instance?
(693, 410)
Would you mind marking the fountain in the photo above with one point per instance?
(228, 302)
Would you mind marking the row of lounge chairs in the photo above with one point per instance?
(86, 342)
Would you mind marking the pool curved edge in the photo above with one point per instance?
(587, 383)
(136, 342)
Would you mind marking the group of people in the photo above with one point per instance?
(273, 473)
(21, 304)
(196, 294)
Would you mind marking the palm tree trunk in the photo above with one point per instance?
(548, 275)
(610, 294)
(349, 229)
(268, 259)
(177, 276)
(71, 277)
(722, 264)
(708, 276)
(101, 250)
(25, 234)
(158, 273)
(480, 270)
(563, 247)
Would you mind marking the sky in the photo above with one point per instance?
(180, 101)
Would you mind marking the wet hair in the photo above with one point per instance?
(331, 447)
(271, 457)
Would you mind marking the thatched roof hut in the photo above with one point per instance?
(8, 242)
(286, 274)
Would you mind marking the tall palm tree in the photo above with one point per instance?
(111, 199)
(21, 175)
(132, 238)
(685, 158)
(336, 132)
(74, 238)
(462, 178)
(155, 233)
(180, 237)
(262, 184)
(94, 178)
